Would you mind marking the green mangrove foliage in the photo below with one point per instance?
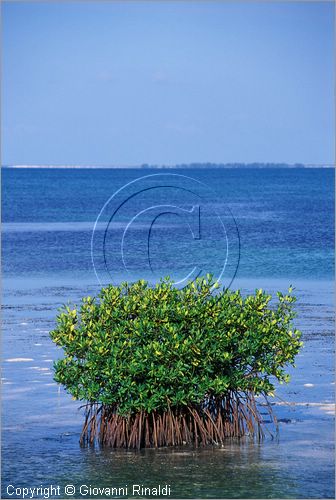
(157, 366)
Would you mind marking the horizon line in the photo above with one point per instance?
(177, 165)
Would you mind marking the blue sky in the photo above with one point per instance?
(167, 82)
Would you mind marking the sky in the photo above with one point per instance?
(126, 83)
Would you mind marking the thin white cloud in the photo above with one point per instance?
(160, 77)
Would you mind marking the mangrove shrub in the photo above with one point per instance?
(158, 366)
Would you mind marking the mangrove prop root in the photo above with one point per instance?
(236, 416)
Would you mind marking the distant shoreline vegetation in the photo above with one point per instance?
(183, 166)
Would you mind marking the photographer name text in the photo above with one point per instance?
(85, 490)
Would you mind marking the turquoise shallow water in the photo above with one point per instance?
(41, 424)
(285, 228)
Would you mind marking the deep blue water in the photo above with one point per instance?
(285, 221)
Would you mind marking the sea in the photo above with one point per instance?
(66, 232)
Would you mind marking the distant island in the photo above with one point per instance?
(185, 166)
